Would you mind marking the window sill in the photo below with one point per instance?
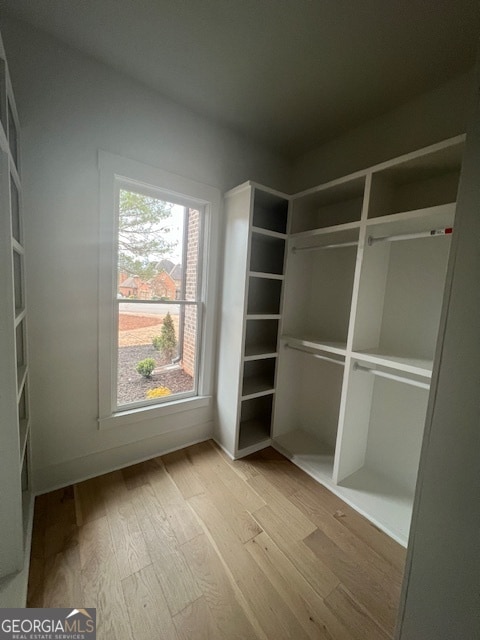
(124, 418)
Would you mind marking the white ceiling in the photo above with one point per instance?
(288, 73)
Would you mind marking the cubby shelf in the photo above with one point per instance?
(254, 434)
(256, 387)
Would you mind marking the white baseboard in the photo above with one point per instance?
(79, 469)
(13, 588)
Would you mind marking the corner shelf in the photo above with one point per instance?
(256, 233)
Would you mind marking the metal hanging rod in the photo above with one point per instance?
(410, 236)
(391, 376)
(338, 245)
(315, 355)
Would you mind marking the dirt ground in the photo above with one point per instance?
(135, 343)
(136, 329)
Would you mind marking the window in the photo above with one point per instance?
(157, 280)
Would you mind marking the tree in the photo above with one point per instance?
(142, 233)
(166, 342)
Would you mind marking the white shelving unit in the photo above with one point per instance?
(371, 300)
(255, 246)
(362, 293)
(15, 495)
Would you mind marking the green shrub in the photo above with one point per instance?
(145, 367)
(166, 342)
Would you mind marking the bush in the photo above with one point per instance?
(166, 342)
(145, 367)
(158, 392)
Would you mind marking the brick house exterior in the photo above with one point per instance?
(163, 286)
(190, 325)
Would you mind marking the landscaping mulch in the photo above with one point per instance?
(132, 387)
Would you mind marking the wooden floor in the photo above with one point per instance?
(192, 546)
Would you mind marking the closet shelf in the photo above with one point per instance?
(391, 376)
(3, 137)
(416, 366)
(321, 247)
(21, 376)
(263, 316)
(256, 387)
(266, 275)
(20, 315)
(24, 427)
(16, 246)
(307, 451)
(268, 233)
(259, 352)
(386, 503)
(336, 229)
(311, 342)
(414, 221)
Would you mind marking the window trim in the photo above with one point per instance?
(115, 170)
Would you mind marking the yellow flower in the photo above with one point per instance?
(158, 392)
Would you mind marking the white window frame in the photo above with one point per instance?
(118, 172)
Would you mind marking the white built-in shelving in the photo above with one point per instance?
(15, 494)
(255, 249)
(360, 301)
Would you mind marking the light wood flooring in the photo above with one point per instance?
(193, 546)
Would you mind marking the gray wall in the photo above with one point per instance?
(431, 117)
(70, 106)
(442, 580)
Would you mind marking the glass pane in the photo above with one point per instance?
(158, 249)
(156, 351)
(15, 207)
(12, 135)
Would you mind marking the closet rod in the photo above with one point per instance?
(410, 236)
(391, 376)
(315, 355)
(338, 245)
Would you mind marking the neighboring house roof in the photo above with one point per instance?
(176, 272)
(129, 282)
(165, 265)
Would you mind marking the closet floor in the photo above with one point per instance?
(193, 546)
